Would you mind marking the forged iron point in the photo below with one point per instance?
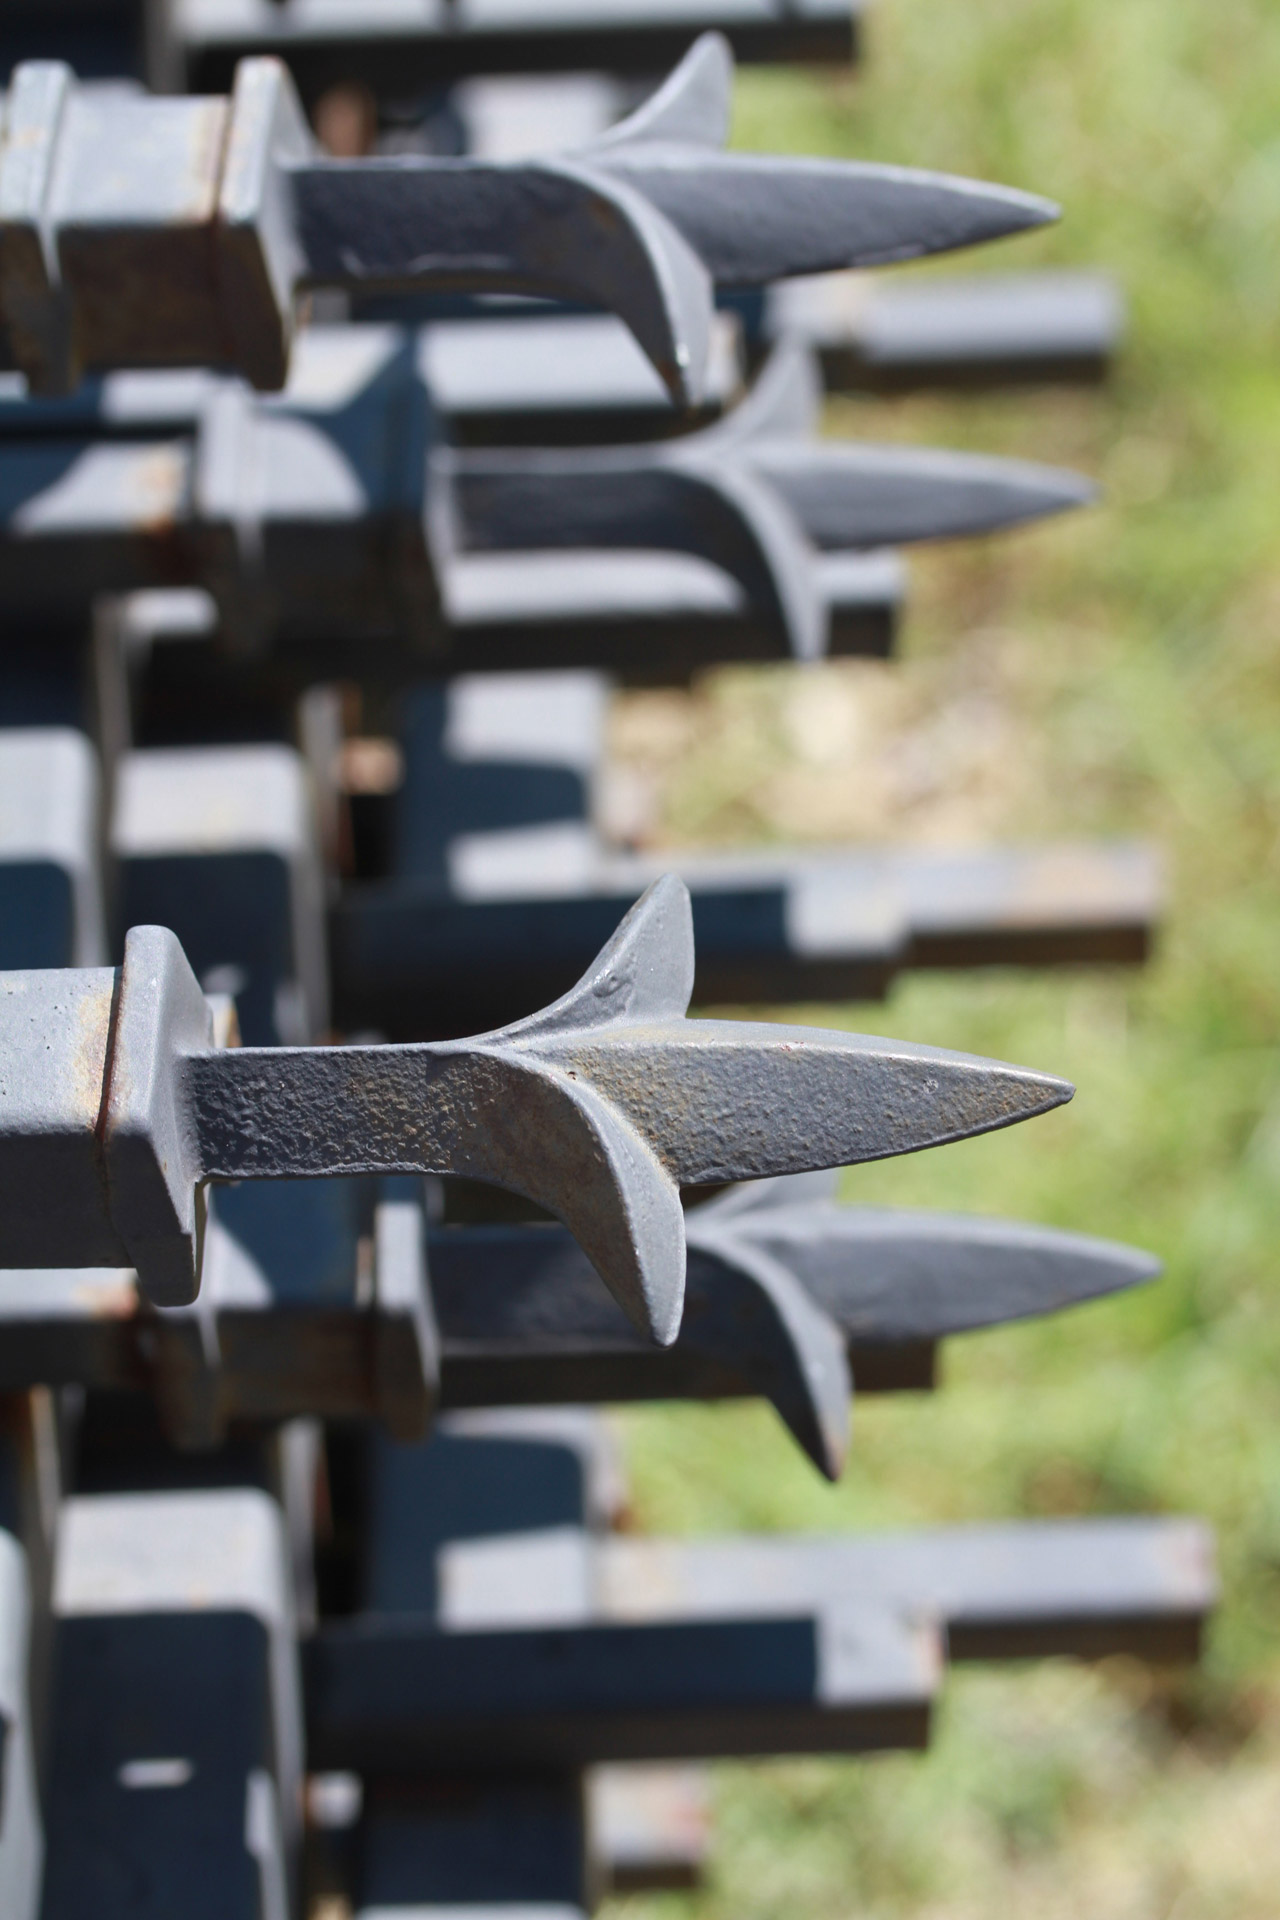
(290, 511)
(897, 496)
(523, 1303)
(117, 1109)
(894, 1274)
(523, 1321)
(177, 232)
(755, 494)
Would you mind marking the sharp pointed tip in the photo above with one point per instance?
(1007, 211)
(1044, 1091)
(831, 1456)
(1039, 212)
(1055, 489)
(663, 1314)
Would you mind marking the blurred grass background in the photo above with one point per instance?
(1120, 673)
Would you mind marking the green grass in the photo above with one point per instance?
(1120, 673)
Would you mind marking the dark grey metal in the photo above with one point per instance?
(755, 494)
(140, 231)
(1027, 1589)
(522, 1319)
(177, 1754)
(649, 617)
(373, 47)
(391, 1694)
(521, 1847)
(998, 329)
(599, 1108)
(518, 1313)
(653, 1666)
(781, 1285)
(50, 889)
(322, 518)
(29, 1475)
(558, 379)
(890, 1276)
(219, 844)
(410, 954)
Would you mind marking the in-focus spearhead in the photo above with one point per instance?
(681, 1102)
(599, 1108)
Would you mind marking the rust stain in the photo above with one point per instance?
(89, 1063)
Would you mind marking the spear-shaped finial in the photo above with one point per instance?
(116, 1109)
(138, 231)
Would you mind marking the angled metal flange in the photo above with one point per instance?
(320, 518)
(176, 232)
(784, 1292)
(523, 1321)
(755, 494)
(600, 1108)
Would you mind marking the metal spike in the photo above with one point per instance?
(693, 106)
(890, 1275)
(523, 1321)
(598, 1108)
(748, 494)
(307, 555)
(217, 212)
(895, 496)
(521, 1316)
